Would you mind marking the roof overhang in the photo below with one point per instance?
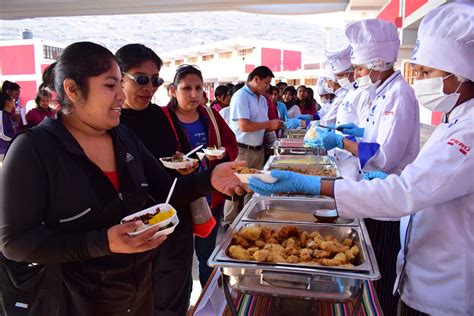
(20, 9)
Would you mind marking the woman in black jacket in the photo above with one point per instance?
(63, 249)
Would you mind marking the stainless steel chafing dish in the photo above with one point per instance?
(299, 280)
(294, 133)
(305, 164)
(290, 210)
(295, 146)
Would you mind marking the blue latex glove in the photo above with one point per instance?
(288, 182)
(351, 129)
(306, 117)
(292, 123)
(375, 175)
(333, 140)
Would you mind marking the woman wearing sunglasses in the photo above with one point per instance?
(159, 130)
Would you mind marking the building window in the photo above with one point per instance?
(293, 82)
(192, 60)
(226, 55)
(207, 57)
(178, 62)
(310, 81)
(245, 52)
(52, 53)
(167, 64)
(408, 72)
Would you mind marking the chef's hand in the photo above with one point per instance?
(223, 178)
(220, 157)
(306, 117)
(121, 242)
(274, 125)
(351, 129)
(292, 123)
(375, 175)
(288, 182)
(332, 140)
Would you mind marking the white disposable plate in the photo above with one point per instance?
(213, 152)
(178, 165)
(164, 207)
(265, 177)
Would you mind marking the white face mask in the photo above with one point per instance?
(325, 101)
(345, 83)
(327, 88)
(366, 83)
(430, 95)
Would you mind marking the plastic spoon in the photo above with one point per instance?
(192, 151)
(170, 193)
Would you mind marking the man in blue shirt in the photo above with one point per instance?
(249, 117)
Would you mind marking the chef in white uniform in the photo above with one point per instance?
(353, 108)
(436, 271)
(391, 138)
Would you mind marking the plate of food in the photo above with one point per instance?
(244, 174)
(161, 215)
(214, 151)
(177, 162)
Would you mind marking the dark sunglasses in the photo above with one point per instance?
(143, 80)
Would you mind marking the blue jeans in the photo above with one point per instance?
(205, 246)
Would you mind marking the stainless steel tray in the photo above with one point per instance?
(365, 266)
(306, 160)
(290, 210)
(302, 286)
(295, 146)
(304, 165)
(294, 133)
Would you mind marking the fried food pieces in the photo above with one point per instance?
(289, 245)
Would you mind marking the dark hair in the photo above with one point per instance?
(42, 92)
(79, 62)
(273, 88)
(308, 102)
(4, 97)
(181, 72)
(281, 83)
(133, 55)
(310, 93)
(290, 89)
(222, 91)
(10, 86)
(238, 86)
(262, 72)
(230, 86)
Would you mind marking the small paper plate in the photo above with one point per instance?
(265, 177)
(213, 152)
(164, 207)
(177, 165)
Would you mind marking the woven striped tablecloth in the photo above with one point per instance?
(248, 305)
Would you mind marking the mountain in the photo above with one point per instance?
(166, 32)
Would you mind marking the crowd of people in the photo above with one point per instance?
(96, 159)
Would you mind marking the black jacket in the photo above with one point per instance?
(57, 206)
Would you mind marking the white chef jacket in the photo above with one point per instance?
(438, 188)
(392, 131)
(353, 109)
(329, 116)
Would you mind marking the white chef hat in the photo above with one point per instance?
(339, 61)
(320, 90)
(327, 72)
(446, 39)
(373, 41)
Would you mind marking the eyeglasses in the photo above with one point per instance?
(143, 80)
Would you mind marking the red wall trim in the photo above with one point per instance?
(249, 68)
(291, 60)
(413, 5)
(391, 13)
(17, 60)
(271, 58)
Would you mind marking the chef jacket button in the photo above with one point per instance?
(373, 123)
(383, 97)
